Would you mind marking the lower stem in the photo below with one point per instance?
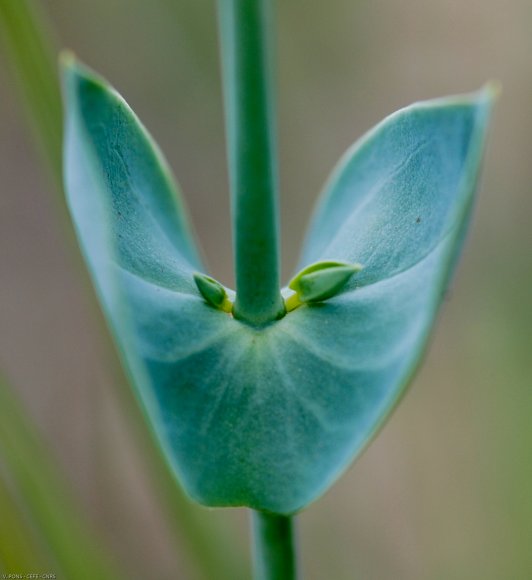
(274, 553)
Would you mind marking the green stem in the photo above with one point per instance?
(244, 26)
(274, 549)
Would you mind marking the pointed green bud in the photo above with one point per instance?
(320, 281)
(213, 292)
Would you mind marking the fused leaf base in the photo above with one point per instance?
(268, 417)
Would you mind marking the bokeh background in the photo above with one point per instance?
(445, 492)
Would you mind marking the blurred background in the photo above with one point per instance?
(445, 492)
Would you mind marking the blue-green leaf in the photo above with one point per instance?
(269, 416)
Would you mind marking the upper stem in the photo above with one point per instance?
(244, 26)
(274, 549)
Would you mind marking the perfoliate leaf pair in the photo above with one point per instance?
(269, 417)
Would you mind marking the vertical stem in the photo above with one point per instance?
(274, 549)
(244, 26)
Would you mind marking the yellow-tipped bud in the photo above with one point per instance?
(320, 281)
(213, 292)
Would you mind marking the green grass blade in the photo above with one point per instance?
(20, 549)
(28, 42)
(44, 494)
(26, 37)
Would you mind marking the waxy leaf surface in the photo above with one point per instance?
(270, 416)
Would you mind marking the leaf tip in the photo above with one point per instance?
(492, 90)
(76, 75)
(71, 67)
(67, 59)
